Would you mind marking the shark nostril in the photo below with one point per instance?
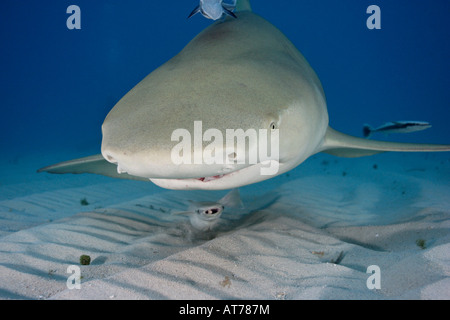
(113, 160)
(110, 158)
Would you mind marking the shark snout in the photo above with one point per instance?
(156, 152)
(160, 165)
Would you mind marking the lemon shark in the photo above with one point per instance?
(237, 73)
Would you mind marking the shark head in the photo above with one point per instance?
(220, 84)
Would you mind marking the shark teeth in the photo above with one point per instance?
(206, 179)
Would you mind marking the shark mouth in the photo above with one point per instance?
(215, 177)
(206, 179)
(220, 176)
(218, 181)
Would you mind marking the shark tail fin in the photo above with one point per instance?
(367, 131)
(343, 145)
(232, 199)
(93, 164)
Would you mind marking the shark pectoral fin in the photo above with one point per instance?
(350, 152)
(93, 164)
(343, 145)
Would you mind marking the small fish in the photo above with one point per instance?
(214, 9)
(205, 215)
(396, 127)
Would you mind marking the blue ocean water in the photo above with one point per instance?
(57, 85)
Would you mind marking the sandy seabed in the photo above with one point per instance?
(309, 234)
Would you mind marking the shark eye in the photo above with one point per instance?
(273, 125)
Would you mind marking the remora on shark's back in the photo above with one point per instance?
(237, 73)
(213, 9)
